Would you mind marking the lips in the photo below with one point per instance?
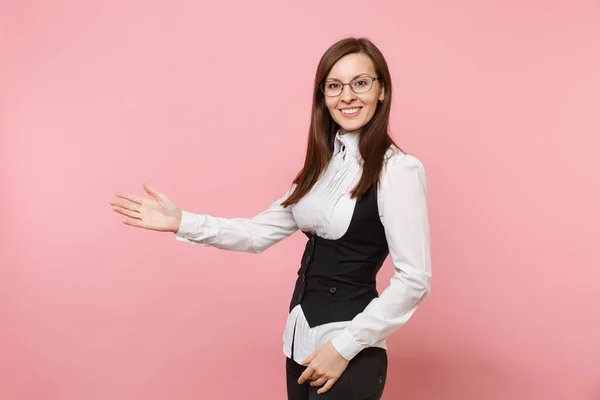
(350, 111)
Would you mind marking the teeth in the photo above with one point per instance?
(350, 110)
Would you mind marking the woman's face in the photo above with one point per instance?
(353, 110)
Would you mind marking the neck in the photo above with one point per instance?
(343, 132)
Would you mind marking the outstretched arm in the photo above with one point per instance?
(252, 235)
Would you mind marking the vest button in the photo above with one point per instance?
(380, 379)
(333, 290)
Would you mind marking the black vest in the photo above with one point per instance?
(336, 279)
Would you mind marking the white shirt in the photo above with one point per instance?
(327, 210)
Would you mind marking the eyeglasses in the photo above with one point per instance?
(361, 84)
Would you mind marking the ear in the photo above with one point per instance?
(382, 94)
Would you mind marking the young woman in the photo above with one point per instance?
(358, 198)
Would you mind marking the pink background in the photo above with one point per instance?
(210, 102)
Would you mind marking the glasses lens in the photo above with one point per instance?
(331, 88)
(362, 84)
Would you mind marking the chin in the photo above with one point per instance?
(351, 127)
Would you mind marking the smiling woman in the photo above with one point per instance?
(352, 108)
(358, 199)
(352, 93)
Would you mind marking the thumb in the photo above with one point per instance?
(151, 191)
(308, 359)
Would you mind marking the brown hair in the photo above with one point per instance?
(374, 139)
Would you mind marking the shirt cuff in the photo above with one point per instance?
(191, 226)
(347, 346)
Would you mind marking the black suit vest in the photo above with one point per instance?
(336, 279)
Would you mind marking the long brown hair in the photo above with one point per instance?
(374, 139)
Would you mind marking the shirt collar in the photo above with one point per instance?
(349, 140)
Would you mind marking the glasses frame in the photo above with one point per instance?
(375, 78)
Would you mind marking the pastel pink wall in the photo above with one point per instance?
(210, 102)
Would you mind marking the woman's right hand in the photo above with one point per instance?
(158, 213)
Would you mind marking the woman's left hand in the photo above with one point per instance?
(325, 366)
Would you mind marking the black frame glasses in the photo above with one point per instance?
(322, 85)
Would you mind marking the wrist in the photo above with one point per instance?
(177, 223)
(347, 346)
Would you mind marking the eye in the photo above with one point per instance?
(333, 85)
(360, 82)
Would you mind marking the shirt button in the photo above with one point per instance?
(380, 379)
(333, 290)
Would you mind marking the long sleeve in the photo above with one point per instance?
(403, 211)
(253, 235)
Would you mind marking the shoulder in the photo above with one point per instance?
(396, 162)
(402, 173)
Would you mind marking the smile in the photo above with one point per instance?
(350, 112)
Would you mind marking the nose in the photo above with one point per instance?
(347, 94)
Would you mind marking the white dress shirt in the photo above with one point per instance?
(327, 210)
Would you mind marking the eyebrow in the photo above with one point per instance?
(357, 76)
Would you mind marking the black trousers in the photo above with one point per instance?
(363, 379)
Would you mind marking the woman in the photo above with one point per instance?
(358, 198)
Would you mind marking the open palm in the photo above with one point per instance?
(158, 213)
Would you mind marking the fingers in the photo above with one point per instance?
(134, 222)
(127, 206)
(130, 197)
(324, 381)
(319, 382)
(308, 372)
(309, 358)
(127, 213)
(327, 386)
